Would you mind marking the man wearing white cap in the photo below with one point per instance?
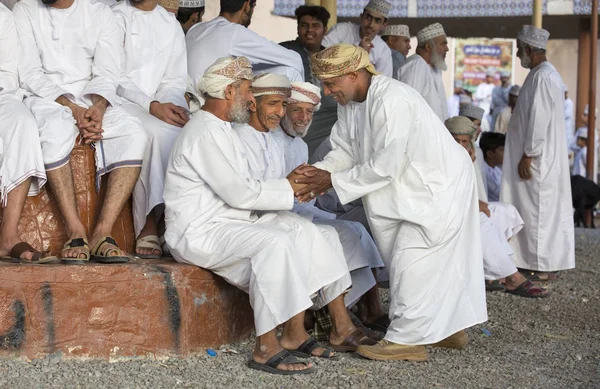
(22, 170)
(152, 89)
(273, 153)
(71, 64)
(221, 219)
(500, 97)
(228, 34)
(569, 116)
(373, 20)
(397, 38)
(535, 174)
(418, 188)
(190, 13)
(454, 100)
(578, 147)
(483, 96)
(501, 125)
(423, 70)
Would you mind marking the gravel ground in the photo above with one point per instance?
(551, 343)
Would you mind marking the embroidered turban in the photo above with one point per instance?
(169, 5)
(191, 3)
(271, 84)
(460, 125)
(340, 59)
(305, 92)
(223, 72)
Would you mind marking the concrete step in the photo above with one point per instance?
(154, 308)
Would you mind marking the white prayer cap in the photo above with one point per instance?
(533, 36)
(380, 7)
(586, 111)
(191, 3)
(491, 72)
(432, 31)
(458, 83)
(223, 72)
(271, 84)
(464, 99)
(396, 30)
(471, 111)
(582, 132)
(514, 90)
(505, 74)
(305, 92)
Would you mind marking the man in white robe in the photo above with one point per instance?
(497, 252)
(221, 219)
(483, 96)
(569, 116)
(228, 34)
(475, 114)
(535, 174)
(501, 124)
(152, 89)
(500, 96)
(372, 20)
(70, 65)
(423, 70)
(418, 188)
(397, 38)
(22, 170)
(273, 153)
(454, 100)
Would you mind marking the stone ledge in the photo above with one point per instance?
(153, 308)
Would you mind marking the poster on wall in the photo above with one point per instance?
(474, 56)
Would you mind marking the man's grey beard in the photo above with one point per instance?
(239, 112)
(525, 61)
(288, 127)
(438, 62)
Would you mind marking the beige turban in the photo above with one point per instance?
(223, 72)
(340, 59)
(461, 125)
(169, 5)
(271, 84)
(305, 92)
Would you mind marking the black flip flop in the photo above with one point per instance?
(524, 290)
(284, 357)
(493, 286)
(306, 350)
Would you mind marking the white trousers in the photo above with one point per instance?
(20, 150)
(281, 260)
(497, 253)
(123, 144)
(148, 191)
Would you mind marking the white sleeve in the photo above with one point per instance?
(214, 159)
(412, 74)
(334, 35)
(384, 64)
(540, 116)
(174, 81)
(260, 50)
(9, 52)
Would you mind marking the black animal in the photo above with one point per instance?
(586, 195)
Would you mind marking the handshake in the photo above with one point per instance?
(308, 182)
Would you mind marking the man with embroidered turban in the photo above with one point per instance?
(499, 269)
(535, 172)
(398, 40)
(273, 153)
(423, 70)
(373, 20)
(220, 218)
(418, 188)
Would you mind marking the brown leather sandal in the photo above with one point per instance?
(352, 341)
(39, 257)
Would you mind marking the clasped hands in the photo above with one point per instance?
(89, 121)
(308, 182)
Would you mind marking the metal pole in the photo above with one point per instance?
(537, 13)
(591, 139)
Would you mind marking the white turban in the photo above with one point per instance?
(271, 84)
(305, 92)
(225, 71)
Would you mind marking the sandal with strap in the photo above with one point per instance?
(352, 341)
(539, 276)
(282, 357)
(305, 350)
(149, 242)
(529, 289)
(102, 251)
(39, 257)
(76, 243)
(373, 334)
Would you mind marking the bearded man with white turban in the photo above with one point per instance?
(219, 218)
(497, 253)
(273, 153)
(423, 70)
(535, 172)
(418, 188)
(22, 170)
